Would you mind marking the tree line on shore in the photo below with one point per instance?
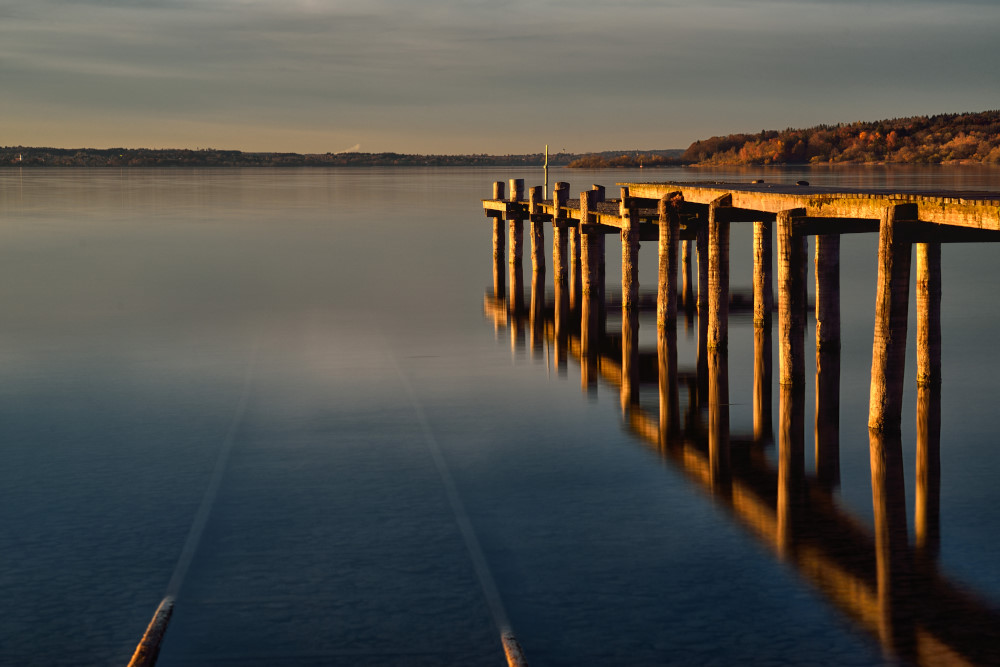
(965, 137)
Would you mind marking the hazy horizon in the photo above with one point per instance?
(449, 77)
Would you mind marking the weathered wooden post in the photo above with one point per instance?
(516, 233)
(687, 287)
(499, 246)
(718, 273)
(630, 302)
(591, 254)
(666, 315)
(827, 427)
(885, 445)
(763, 307)
(701, 368)
(791, 310)
(598, 192)
(889, 346)
(927, 512)
(560, 196)
(535, 198)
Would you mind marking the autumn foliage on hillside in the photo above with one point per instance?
(973, 137)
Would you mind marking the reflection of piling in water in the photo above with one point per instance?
(718, 274)
(827, 430)
(893, 562)
(791, 306)
(630, 305)
(666, 315)
(927, 512)
(718, 421)
(791, 464)
(889, 345)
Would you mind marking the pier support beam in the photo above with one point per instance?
(763, 307)
(560, 196)
(701, 368)
(516, 243)
(591, 258)
(687, 285)
(791, 309)
(718, 274)
(889, 346)
(535, 198)
(827, 427)
(666, 316)
(927, 511)
(499, 246)
(630, 304)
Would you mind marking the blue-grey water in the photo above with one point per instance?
(302, 356)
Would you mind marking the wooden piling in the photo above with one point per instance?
(827, 292)
(517, 189)
(560, 196)
(536, 313)
(791, 311)
(827, 425)
(763, 289)
(928, 313)
(499, 246)
(598, 192)
(889, 345)
(630, 303)
(687, 287)
(701, 369)
(718, 274)
(666, 314)
(589, 251)
(535, 199)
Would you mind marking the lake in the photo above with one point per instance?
(275, 394)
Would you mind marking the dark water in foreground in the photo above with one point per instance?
(316, 341)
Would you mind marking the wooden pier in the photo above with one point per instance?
(889, 586)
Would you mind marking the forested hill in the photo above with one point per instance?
(973, 137)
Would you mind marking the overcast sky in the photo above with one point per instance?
(478, 76)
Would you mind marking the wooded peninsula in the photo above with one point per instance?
(947, 138)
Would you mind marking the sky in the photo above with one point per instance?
(478, 76)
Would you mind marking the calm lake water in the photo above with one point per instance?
(275, 394)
